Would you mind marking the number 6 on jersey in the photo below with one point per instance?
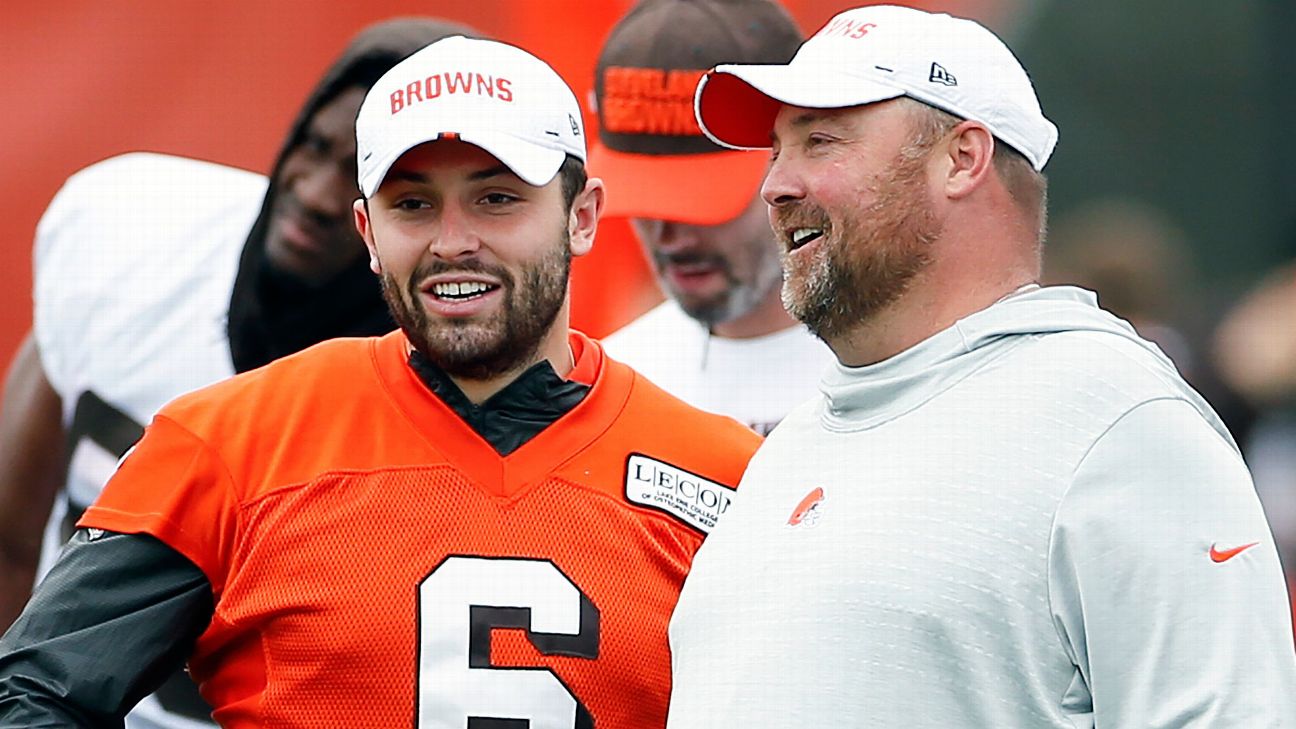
(460, 603)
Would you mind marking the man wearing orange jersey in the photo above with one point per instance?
(479, 520)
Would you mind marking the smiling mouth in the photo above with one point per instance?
(461, 290)
(801, 236)
(694, 268)
(298, 233)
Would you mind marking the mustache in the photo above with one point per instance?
(427, 269)
(799, 215)
(690, 258)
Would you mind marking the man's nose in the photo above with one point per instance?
(782, 184)
(325, 191)
(668, 234)
(453, 236)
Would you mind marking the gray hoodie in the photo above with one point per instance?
(1027, 520)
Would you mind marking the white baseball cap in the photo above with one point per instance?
(490, 94)
(876, 53)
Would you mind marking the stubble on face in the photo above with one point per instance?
(868, 257)
(509, 339)
(742, 252)
(742, 292)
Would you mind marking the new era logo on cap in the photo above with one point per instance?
(941, 76)
(490, 94)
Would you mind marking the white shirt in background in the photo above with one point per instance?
(755, 381)
(135, 261)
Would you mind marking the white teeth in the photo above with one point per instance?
(801, 236)
(458, 289)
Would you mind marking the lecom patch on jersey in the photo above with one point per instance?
(692, 499)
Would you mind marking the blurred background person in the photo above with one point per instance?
(1138, 261)
(1255, 347)
(1241, 357)
(228, 272)
(722, 340)
(1135, 258)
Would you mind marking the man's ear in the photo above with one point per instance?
(360, 208)
(968, 156)
(582, 222)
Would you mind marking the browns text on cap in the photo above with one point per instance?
(650, 150)
(490, 94)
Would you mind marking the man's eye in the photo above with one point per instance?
(411, 204)
(315, 144)
(498, 198)
(817, 140)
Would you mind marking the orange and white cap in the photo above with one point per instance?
(650, 151)
(490, 94)
(880, 52)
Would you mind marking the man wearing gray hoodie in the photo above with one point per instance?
(1007, 510)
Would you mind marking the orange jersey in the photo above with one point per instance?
(376, 563)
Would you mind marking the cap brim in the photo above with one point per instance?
(736, 104)
(699, 189)
(534, 164)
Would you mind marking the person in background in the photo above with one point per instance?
(1136, 259)
(1255, 350)
(696, 209)
(228, 271)
(1007, 509)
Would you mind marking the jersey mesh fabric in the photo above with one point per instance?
(332, 588)
(361, 539)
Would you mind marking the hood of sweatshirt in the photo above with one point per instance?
(863, 397)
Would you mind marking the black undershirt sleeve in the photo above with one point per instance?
(116, 615)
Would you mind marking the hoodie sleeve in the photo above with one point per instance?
(1165, 584)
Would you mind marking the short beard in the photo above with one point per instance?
(869, 261)
(738, 298)
(483, 350)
